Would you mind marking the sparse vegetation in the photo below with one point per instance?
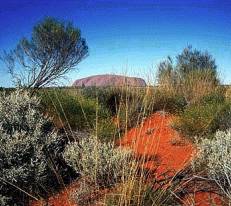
(206, 117)
(73, 111)
(138, 192)
(193, 75)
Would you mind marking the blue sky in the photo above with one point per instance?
(127, 36)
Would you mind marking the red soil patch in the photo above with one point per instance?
(203, 199)
(169, 153)
(156, 138)
(61, 199)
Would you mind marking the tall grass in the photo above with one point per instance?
(192, 86)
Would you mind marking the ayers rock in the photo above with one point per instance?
(109, 80)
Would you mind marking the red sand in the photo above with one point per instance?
(203, 199)
(168, 152)
(156, 138)
(61, 199)
(171, 153)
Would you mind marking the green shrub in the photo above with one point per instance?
(103, 94)
(72, 111)
(127, 104)
(215, 157)
(107, 130)
(132, 105)
(168, 101)
(26, 139)
(101, 163)
(205, 117)
(217, 96)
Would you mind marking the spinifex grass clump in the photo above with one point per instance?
(140, 192)
(27, 141)
(125, 103)
(69, 110)
(167, 101)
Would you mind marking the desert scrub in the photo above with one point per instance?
(26, 138)
(101, 163)
(212, 113)
(106, 130)
(167, 101)
(72, 111)
(215, 157)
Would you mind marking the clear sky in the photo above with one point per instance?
(127, 35)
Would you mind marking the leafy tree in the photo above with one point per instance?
(192, 75)
(54, 49)
(190, 60)
(195, 60)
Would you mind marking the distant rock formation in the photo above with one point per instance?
(109, 80)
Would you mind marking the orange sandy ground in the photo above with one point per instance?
(171, 153)
(61, 199)
(155, 138)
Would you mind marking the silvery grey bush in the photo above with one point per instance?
(100, 162)
(215, 154)
(4, 200)
(25, 138)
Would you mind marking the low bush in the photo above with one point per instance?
(75, 112)
(167, 101)
(125, 103)
(101, 163)
(131, 105)
(205, 117)
(107, 130)
(27, 141)
(107, 96)
(215, 157)
(66, 110)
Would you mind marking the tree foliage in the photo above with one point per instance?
(190, 60)
(194, 60)
(54, 49)
(192, 74)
